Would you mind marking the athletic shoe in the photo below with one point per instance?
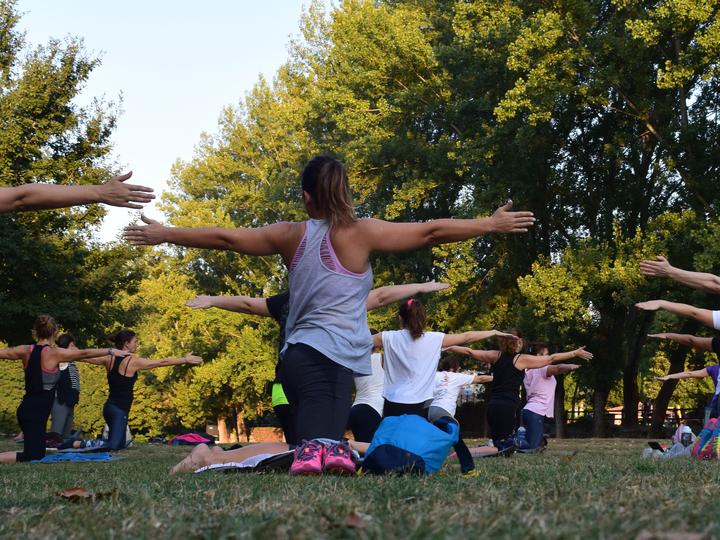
(338, 459)
(309, 457)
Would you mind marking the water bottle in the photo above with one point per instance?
(520, 437)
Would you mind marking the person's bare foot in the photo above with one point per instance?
(194, 460)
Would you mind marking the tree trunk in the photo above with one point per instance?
(223, 435)
(599, 401)
(631, 394)
(240, 425)
(560, 416)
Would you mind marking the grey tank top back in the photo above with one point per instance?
(328, 304)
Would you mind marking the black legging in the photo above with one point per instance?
(319, 392)
(364, 421)
(392, 408)
(287, 423)
(501, 418)
(32, 415)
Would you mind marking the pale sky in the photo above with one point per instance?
(176, 63)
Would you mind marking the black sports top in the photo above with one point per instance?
(121, 386)
(38, 381)
(507, 379)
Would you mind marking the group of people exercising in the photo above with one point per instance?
(326, 347)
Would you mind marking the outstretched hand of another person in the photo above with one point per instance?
(582, 353)
(660, 267)
(650, 305)
(149, 234)
(507, 221)
(116, 192)
(505, 335)
(200, 302)
(662, 379)
(662, 335)
(191, 359)
(434, 286)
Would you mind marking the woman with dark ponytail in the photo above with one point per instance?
(122, 371)
(327, 336)
(40, 362)
(411, 357)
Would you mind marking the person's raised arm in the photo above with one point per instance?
(47, 196)
(389, 294)
(83, 355)
(378, 235)
(21, 352)
(702, 343)
(240, 304)
(465, 338)
(559, 369)
(144, 363)
(530, 361)
(704, 316)
(660, 267)
(697, 374)
(486, 357)
(268, 240)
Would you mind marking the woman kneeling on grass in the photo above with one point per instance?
(122, 368)
(41, 363)
(508, 371)
(327, 335)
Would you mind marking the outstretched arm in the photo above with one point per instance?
(378, 235)
(559, 369)
(45, 196)
(702, 343)
(85, 355)
(389, 294)
(482, 379)
(529, 361)
(704, 316)
(486, 357)
(240, 304)
(473, 336)
(144, 363)
(21, 352)
(660, 267)
(268, 240)
(698, 374)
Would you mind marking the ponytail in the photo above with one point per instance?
(412, 315)
(325, 179)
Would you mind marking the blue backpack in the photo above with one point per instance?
(409, 444)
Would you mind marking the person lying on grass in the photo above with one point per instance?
(122, 372)
(702, 344)
(203, 455)
(277, 307)
(47, 196)
(41, 363)
(508, 370)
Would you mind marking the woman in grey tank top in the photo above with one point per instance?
(330, 277)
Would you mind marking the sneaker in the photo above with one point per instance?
(308, 458)
(703, 438)
(338, 459)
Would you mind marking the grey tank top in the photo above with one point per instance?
(328, 304)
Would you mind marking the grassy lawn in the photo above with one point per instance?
(577, 489)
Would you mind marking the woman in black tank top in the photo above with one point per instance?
(508, 367)
(40, 362)
(122, 373)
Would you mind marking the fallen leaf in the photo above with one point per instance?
(357, 520)
(75, 493)
(500, 478)
(670, 535)
(78, 493)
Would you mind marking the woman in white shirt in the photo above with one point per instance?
(411, 359)
(367, 409)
